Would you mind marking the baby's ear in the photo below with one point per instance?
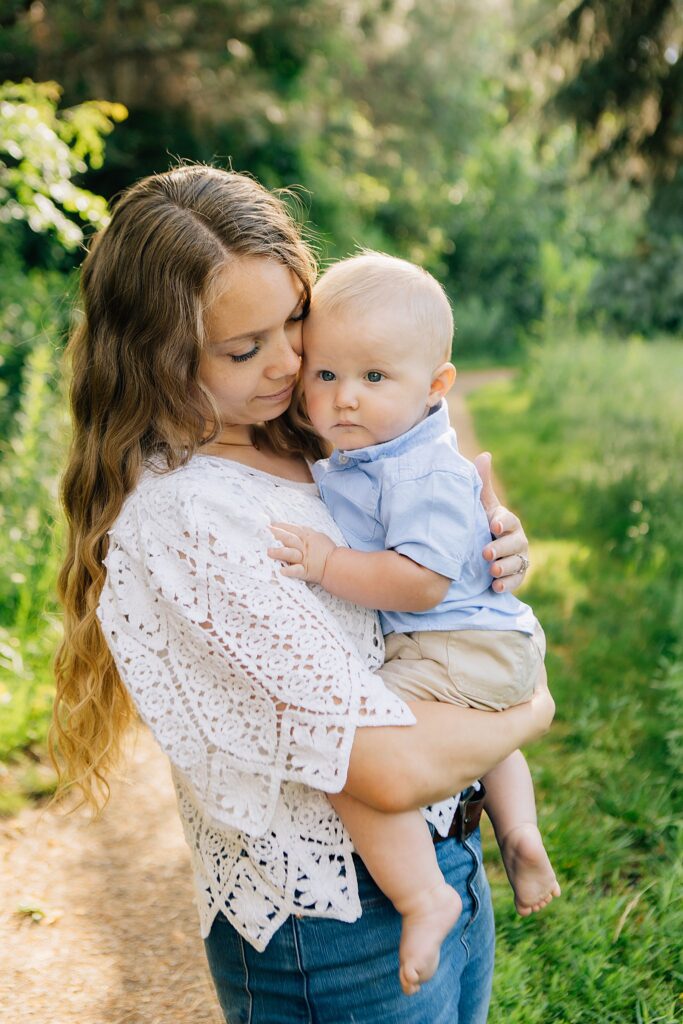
(442, 382)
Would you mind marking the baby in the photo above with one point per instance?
(377, 344)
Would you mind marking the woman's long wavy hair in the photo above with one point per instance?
(135, 395)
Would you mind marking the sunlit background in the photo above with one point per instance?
(528, 153)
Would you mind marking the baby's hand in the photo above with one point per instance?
(304, 552)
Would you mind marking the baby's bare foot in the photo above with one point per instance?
(426, 923)
(529, 869)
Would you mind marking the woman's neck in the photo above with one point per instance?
(245, 448)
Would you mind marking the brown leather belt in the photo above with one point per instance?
(467, 814)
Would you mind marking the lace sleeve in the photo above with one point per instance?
(243, 676)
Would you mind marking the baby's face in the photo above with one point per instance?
(367, 379)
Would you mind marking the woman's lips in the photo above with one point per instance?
(278, 396)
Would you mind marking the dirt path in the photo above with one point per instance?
(467, 382)
(118, 942)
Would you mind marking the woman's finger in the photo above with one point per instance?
(513, 565)
(510, 545)
(504, 521)
(489, 498)
(504, 584)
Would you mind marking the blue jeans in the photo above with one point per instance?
(322, 971)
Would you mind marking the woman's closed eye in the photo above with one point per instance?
(243, 356)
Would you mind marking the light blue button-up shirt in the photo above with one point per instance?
(417, 495)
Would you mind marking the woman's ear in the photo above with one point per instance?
(443, 380)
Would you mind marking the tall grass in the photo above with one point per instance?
(29, 466)
(589, 441)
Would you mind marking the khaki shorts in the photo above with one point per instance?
(476, 668)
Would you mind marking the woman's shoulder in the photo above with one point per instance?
(201, 476)
(190, 496)
(208, 498)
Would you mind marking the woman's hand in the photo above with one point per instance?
(509, 552)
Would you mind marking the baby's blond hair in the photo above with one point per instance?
(360, 282)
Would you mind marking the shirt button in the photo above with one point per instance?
(343, 459)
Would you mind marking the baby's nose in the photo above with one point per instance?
(346, 398)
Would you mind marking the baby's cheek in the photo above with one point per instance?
(317, 408)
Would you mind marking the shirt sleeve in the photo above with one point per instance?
(431, 520)
(244, 677)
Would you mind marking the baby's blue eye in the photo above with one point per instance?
(374, 376)
(326, 375)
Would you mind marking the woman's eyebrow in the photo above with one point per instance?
(257, 331)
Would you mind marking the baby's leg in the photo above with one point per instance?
(399, 854)
(511, 806)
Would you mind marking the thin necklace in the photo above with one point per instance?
(237, 444)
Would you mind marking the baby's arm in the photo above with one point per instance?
(376, 579)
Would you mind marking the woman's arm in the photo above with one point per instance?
(248, 681)
(446, 750)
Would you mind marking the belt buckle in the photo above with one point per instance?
(468, 812)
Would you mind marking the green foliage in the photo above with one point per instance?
(34, 305)
(41, 149)
(588, 440)
(416, 132)
(622, 80)
(495, 241)
(642, 291)
(29, 552)
(614, 71)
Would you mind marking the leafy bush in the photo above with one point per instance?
(42, 148)
(643, 291)
(30, 551)
(34, 306)
(482, 329)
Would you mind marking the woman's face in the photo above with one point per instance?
(252, 352)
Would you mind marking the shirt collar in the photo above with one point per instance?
(427, 430)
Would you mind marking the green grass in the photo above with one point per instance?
(588, 441)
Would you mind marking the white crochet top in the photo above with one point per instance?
(252, 683)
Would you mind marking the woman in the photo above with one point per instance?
(260, 689)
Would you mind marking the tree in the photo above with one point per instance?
(42, 149)
(618, 74)
(614, 68)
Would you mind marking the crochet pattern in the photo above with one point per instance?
(252, 683)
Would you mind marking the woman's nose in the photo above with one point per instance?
(286, 360)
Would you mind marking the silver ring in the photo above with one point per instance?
(524, 563)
